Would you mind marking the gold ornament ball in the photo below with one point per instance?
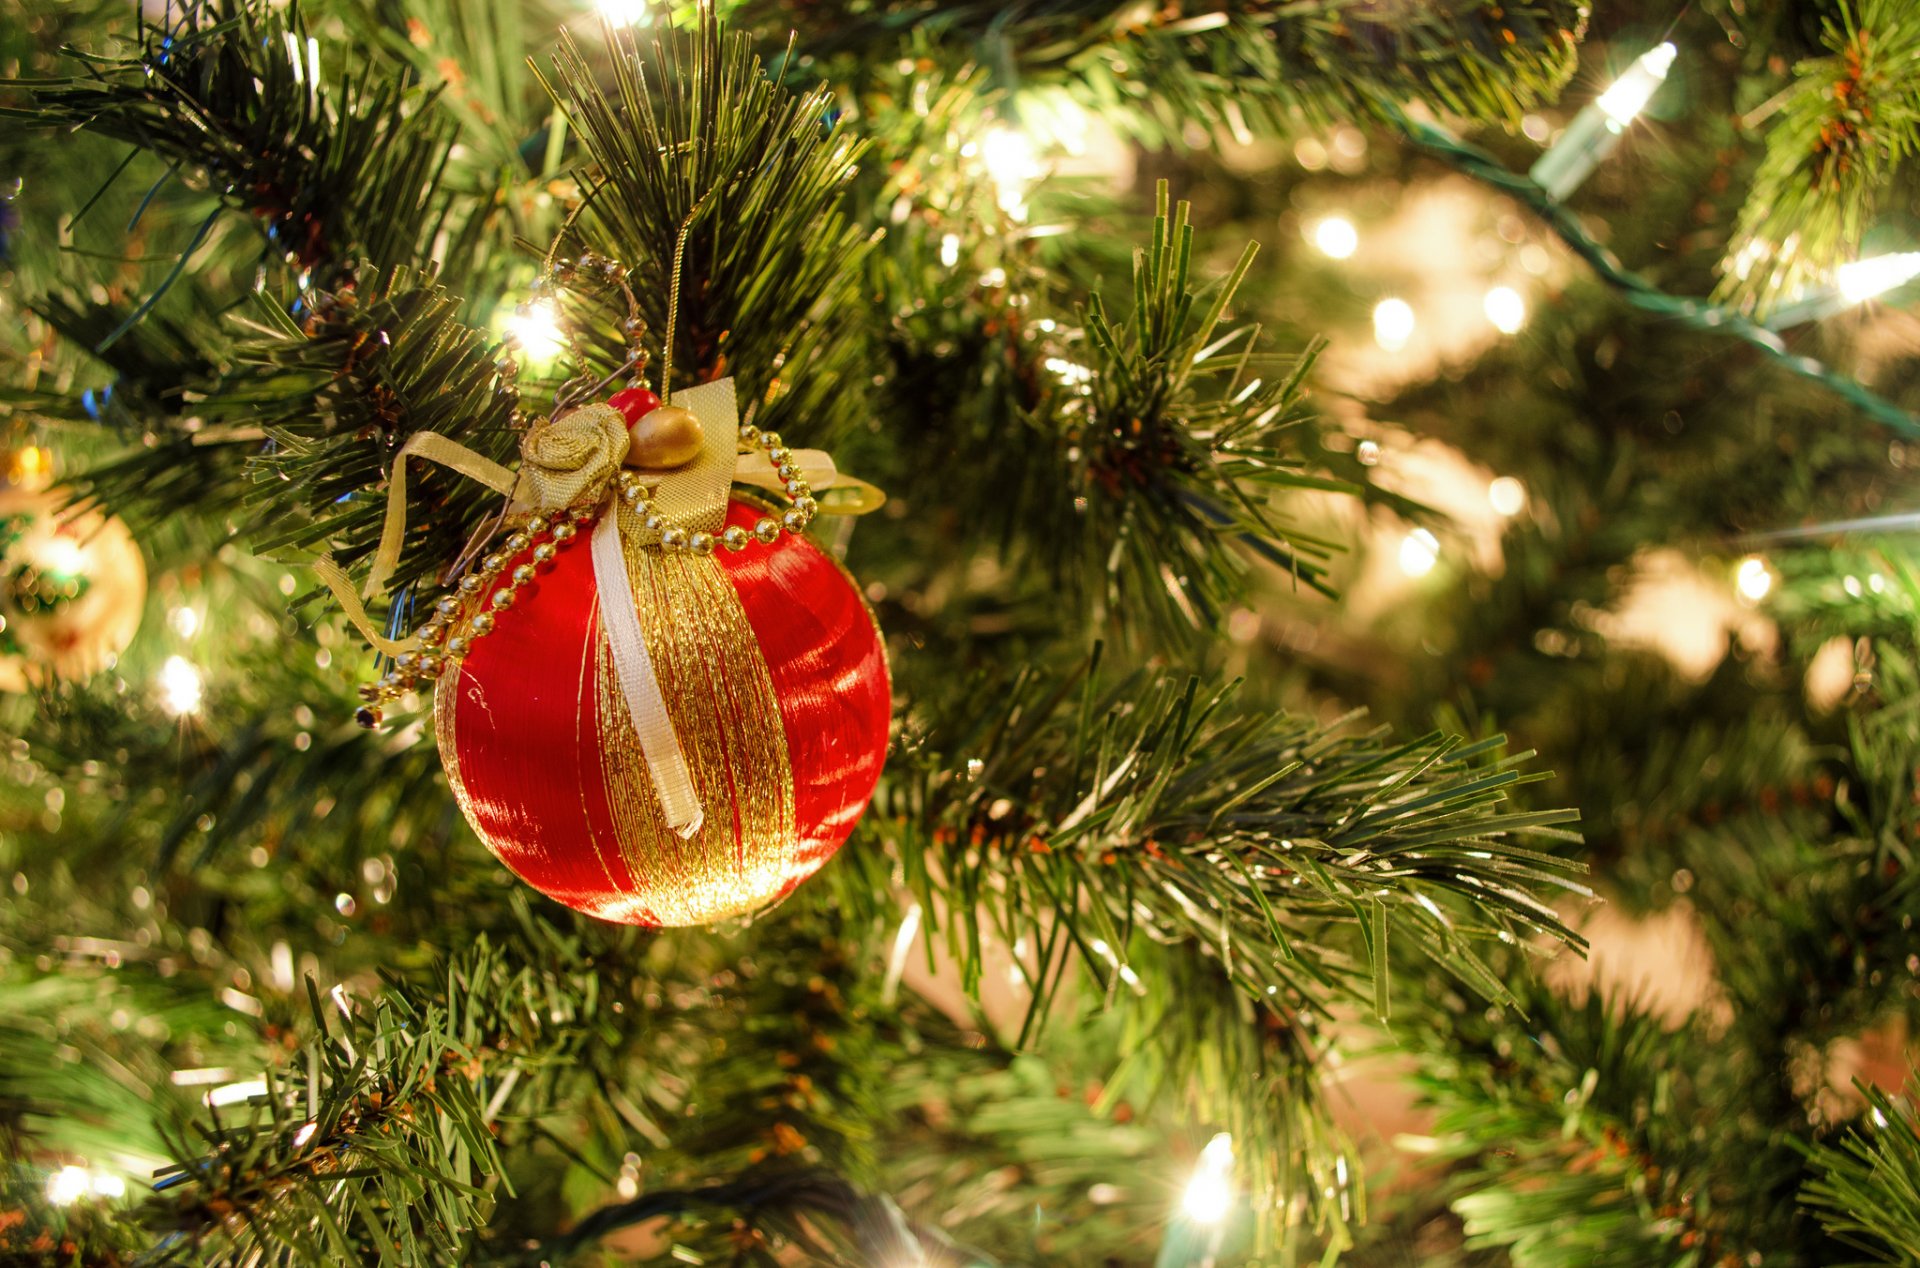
(72, 588)
(667, 436)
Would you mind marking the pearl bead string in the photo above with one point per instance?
(802, 508)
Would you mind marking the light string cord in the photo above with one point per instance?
(1472, 161)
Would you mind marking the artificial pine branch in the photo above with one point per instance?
(1063, 812)
(1866, 1186)
(1848, 123)
(1249, 61)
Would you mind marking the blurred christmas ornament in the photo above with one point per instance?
(72, 582)
(657, 702)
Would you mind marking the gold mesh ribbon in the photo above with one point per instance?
(719, 693)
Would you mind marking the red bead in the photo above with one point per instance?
(634, 404)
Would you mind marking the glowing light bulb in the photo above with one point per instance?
(1753, 579)
(185, 621)
(950, 249)
(1393, 323)
(1012, 165)
(624, 13)
(109, 1186)
(1506, 309)
(1336, 237)
(1629, 95)
(179, 687)
(1507, 496)
(1209, 1194)
(1419, 552)
(68, 1185)
(1861, 280)
(233, 1093)
(64, 558)
(536, 328)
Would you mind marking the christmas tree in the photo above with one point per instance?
(754, 633)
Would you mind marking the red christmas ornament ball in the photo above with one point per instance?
(775, 678)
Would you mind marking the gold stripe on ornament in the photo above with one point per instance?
(719, 695)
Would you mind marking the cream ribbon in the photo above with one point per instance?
(640, 684)
(569, 462)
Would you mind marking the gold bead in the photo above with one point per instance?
(655, 522)
(523, 574)
(805, 505)
(493, 563)
(503, 598)
(735, 537)
(482, 622)
(665, 437)
(794, 521)
(781, 457)
(457, 646)
(447, 606)
(430, 666)
(631, 494)
(700, 543)
(788, 471)
(749, 434)
(537, 525)
(470, 584)
(564, 532)
(674, 537)
(767, 530)
(797, 488)
(544, 553)
(405, 661)
(516, 543)
(770, 441)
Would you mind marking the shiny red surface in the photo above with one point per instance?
(528, 748)
(528, 745)
(829, 673)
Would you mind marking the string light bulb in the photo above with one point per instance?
(180, 687)
(1753, 579)
(624, 13)
(1419, 552)
(1393, 323)
(1012, 165)
(535, 328)
(1507, 496)
(1209, 1194)
(68, 1185)
(1336, 237)
(1852, 284)
(1629, 95)
(1596, 130)
(1862, 280)
(1506, 308)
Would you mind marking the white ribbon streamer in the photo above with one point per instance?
(638, 681)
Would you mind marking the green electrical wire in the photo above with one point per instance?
(1475, 162)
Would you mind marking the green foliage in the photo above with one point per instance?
(1206, 898)
(1163, 68)
(1067, 814)
(1867, 1185)
(1844, 129)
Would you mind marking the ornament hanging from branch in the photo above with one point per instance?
(656, 700)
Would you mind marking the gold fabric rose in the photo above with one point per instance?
(567, 461)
